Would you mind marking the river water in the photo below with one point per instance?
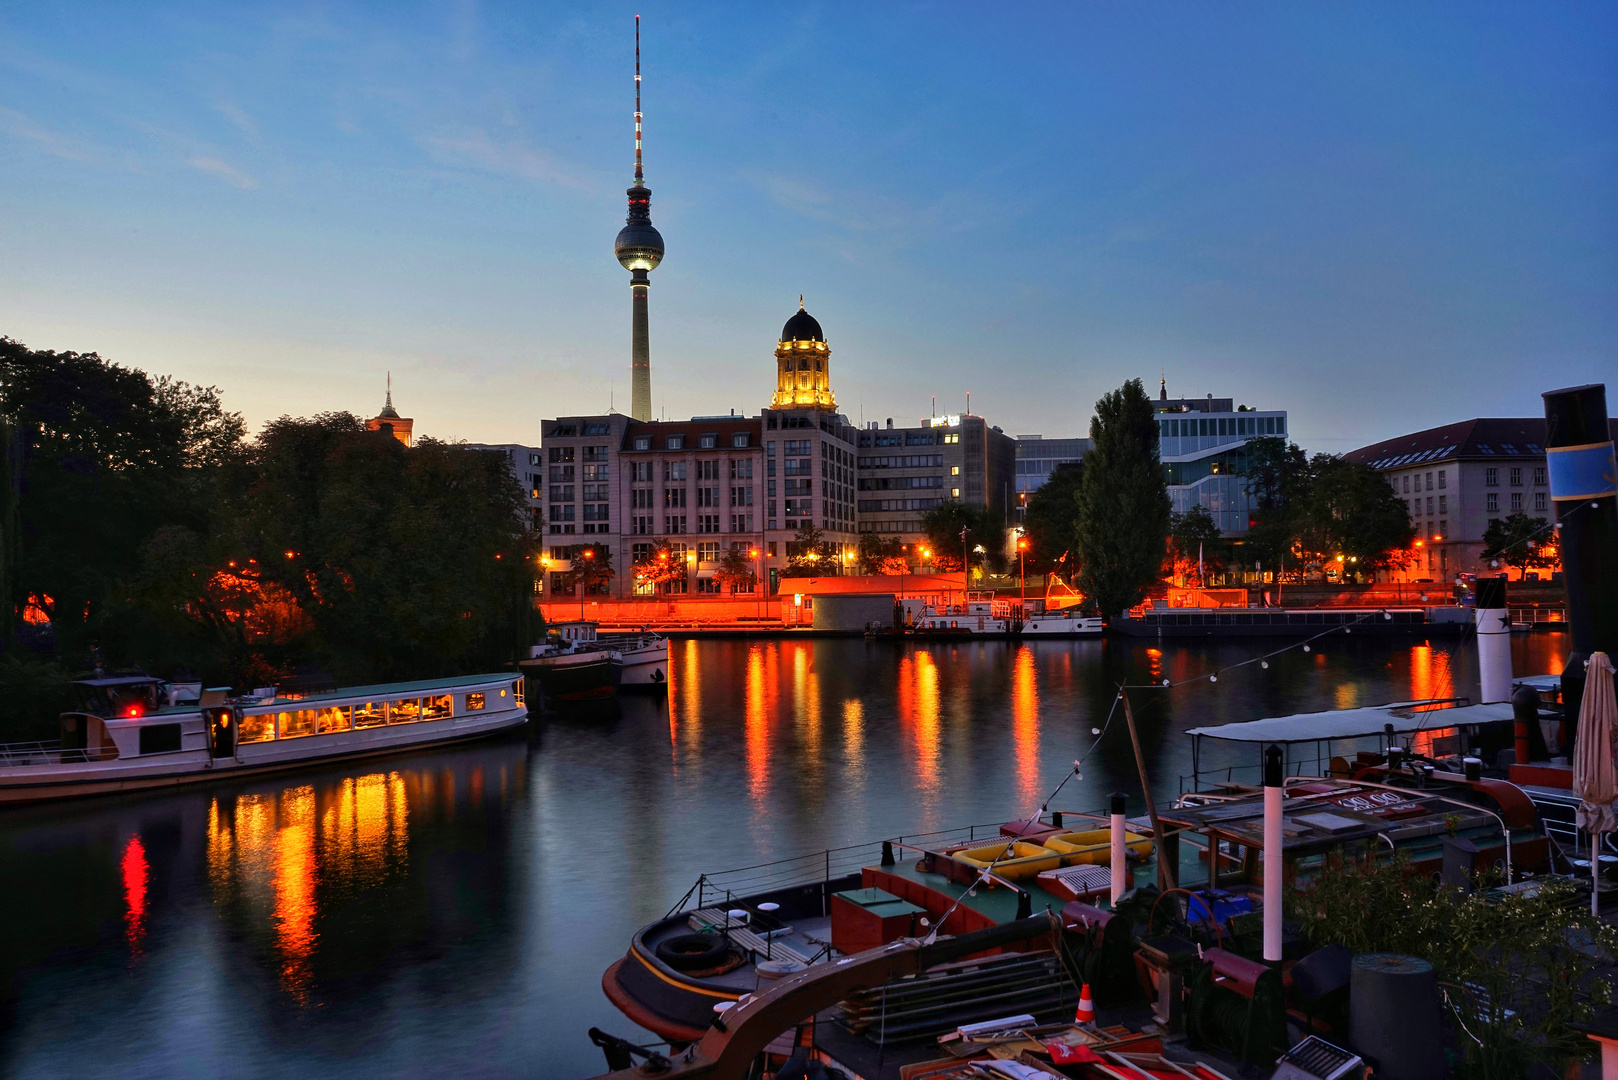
(451, 912)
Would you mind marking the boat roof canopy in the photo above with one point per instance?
(1405, 716)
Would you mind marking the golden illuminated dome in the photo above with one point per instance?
(803, 366)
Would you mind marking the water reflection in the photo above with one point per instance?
(134, 869)
(1025, 723)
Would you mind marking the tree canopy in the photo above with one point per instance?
(1520, 541)
(942, 526)
(1123, 518)
(1051, 522)
(1194, 541)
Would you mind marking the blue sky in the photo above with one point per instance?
(1379, 217)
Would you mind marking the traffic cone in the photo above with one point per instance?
(1086, 1013)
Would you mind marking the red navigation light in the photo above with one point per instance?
(134, 710)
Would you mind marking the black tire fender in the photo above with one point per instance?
(693, 952)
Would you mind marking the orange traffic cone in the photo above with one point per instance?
(1086, 1013)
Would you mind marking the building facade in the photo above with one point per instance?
(903, 472)
(1203, 446)
(1037, 458)
(527, 466)
(1457, 479)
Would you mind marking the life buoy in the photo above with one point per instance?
(693, 952)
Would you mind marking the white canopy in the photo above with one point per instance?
(1356, 723)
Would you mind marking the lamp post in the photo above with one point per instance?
(1022, 570)
(588, 553)
(966, 568)
(758, 584)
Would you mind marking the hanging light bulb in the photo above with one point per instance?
(1095, 731)
(1165, 682)
(1306, 648)
(1213, 678)
(1265, 664)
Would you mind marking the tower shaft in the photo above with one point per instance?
(640, 349)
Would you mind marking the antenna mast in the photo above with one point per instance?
(638, 175)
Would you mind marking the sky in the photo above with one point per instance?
(1380, 217)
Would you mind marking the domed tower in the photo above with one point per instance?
(803, 366)
(639, 249)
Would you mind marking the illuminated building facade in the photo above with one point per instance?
(803, 366)
(904, 472)
(1457, 479)
(388, 420)
(1203, 446)
(527, 465)
(1037, 458)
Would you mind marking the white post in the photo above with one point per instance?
(1493, 620)
(1120, 874)
(1272, 854)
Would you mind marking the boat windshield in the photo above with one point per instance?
(118, 697)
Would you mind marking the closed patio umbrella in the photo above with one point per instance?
(1595, 773)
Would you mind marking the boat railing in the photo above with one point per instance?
(816, 867)
(49, 752)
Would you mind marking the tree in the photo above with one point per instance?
(1350, 510)
(1194, 541)
(882, 555)
(735, 571)
(1519, 541)
(810, 554)
(1051, 521)
(942, 527)
(1123, 517)
(1275, 474)
(592, 568)
(660, 567)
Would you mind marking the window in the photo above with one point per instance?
(770, 550)
(799, 487)
(334, 718)
(256, 727)
(474, 702)
(1429, 504)
(955, 493)
(1516, 477)
(641, 472)
(673, 470)
(707, 523)
(708, 585)
(562, 494)
(741, 469)
(295, 724)
(561, 454)
(1407, 483)
(741, 523)
(159, 738)
(595, 472)
(595, 512)
(534, 459)
(769, 449)
(1539, 500)
(954, 437)
(561, 474)
(708, 441)
(1539, 477)
(640, 525)
(1441, 479)
(674, 442)
(708, 470)
(595, 491)
(1491, 501)
(955, 470)
(1491, 477)
(406, 711)
(707, 496)
(640, 499)
(370, 714)
(1429, 481)
(707, 553)
(594, 453)
(1443, 530)
(674, 524)
(741, 496)
(1516, 502)
(739, 439)
(597, 428)
(643, 442)
(673, 497)
(563, 513)
(1443, 504)
(564, 431)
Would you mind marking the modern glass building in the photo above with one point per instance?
(1203, 446)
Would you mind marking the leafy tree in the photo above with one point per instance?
(735, 571)
(1194, 538)
(591, 568)
(942, 527)
(1123, 518)
(1276, 474)
(100, 457)
(1519, 541)
(810, 554)
(882, 555)
(1349, 509)
(1051, 522)
(660, 567)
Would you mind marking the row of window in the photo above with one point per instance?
(878, 505)
(1235, 426)
(900, 483)
(297, 723)
(1491, 476)
(707, 441)
(904, 461)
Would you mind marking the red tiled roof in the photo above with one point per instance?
(1483, 437)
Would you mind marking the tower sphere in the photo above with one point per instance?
(639, 246)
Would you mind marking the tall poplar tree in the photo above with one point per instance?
(1123, 519)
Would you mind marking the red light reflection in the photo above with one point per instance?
(135, 872)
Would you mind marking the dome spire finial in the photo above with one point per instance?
(638, 176)
(800, 301)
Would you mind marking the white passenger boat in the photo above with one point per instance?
(645, 658)
(125, 736)
(987, 617)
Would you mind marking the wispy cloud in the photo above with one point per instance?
(512, 157)
(229, 174)
(238, 116)
(19, 126)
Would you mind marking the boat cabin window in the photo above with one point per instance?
(474, 702)
(334, 718)
(370, 714)
(295, 724)
(256, 727)
(436, 708)
(407, 711)
(159, 738)
(126, 699)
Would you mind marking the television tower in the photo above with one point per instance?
(639, 248)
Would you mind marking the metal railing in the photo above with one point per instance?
(50, 752)
(819, 867)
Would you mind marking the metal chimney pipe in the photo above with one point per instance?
(1493, 620)
(1120, 874)
(1272, 854)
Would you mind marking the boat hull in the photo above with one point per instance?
(576, 676)
(40, 783)
(645, 668)
(1267, 622)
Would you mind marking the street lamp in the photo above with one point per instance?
(589, 553)
(758, 584)
(1022, 569)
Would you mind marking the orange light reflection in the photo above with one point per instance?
(1025, 725)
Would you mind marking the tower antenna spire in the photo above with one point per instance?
(639, 178)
